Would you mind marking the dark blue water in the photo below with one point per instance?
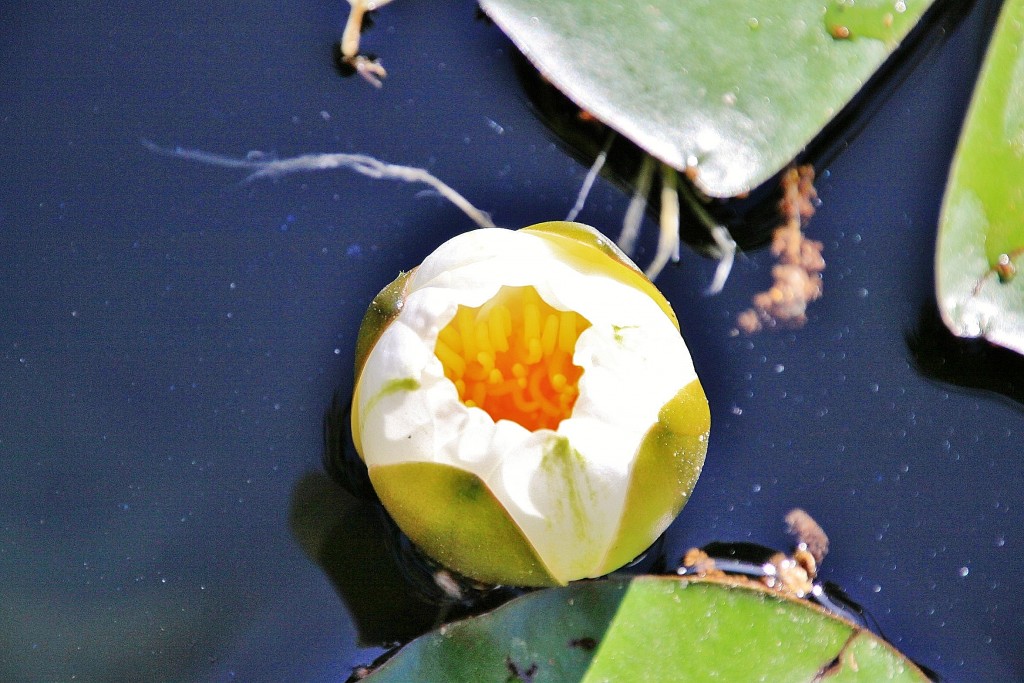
(170, 339)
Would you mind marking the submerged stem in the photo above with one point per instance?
(668, 236)
(637, 205)
(721, 236)
(353, 29)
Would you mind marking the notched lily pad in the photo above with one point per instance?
(981, 230)
(732, 612)
(730, 91)
(651, 628)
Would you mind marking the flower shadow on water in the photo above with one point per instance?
(391, 590)
(338, 521)
(347, 538)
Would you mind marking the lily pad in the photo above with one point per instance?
(651, 628)
(981, 229)
(728, 90)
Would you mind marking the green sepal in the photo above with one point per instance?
(454, 517)
(668, 463)
(384, 308)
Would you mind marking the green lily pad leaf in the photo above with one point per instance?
(981, 229)
(651, 628)
(728, 90)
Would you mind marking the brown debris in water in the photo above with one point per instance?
(791, 575)
(810, 537)
(797, 276)
(702, 563)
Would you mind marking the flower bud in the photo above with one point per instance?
(526, 407)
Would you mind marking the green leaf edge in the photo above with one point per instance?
(982, 213)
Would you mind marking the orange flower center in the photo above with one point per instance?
(512, 357)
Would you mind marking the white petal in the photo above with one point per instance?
(559, 498)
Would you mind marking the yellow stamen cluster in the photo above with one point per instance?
(512, 357)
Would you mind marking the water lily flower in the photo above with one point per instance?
(526, 407)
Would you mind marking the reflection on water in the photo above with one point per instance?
(970, 363)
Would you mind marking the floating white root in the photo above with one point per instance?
(264, 167)
(588, 182)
